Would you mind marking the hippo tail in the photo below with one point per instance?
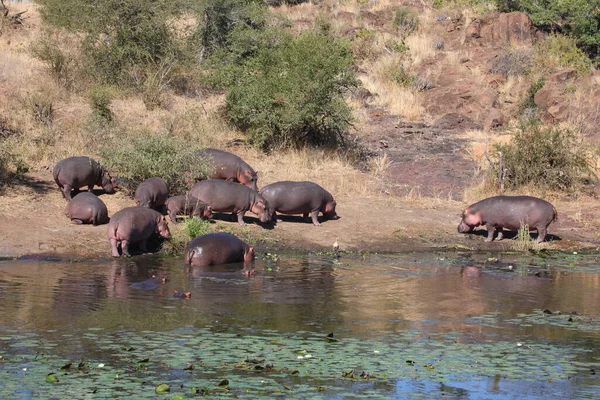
(554, 214)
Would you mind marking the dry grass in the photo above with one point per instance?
(433, 199)
(397, 99)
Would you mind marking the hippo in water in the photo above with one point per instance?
(217, 248)
(288, 197)
(135, 225)
(509, 212)
(77, 172)
(224, 196)
(187, 205)
(228, 166)
(152, 193)
(87, 208)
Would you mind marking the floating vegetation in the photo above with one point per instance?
(207, 361)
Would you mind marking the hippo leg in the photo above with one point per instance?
(173, 216)
(240, 218)
(541, 234)
(114, 248)
(143, 246)
(67, 192)
(274, 218)
(125, 248)
(76, 221)
(314, 216)
(500, 234)
(491, 230)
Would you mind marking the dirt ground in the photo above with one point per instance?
(33, 223)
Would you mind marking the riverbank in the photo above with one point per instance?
(33, 223)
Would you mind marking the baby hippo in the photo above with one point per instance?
(152, 193)
(135, 225)
(217, 248)
(305, 198)
(87, 208)
(187, 205)
(509, 212)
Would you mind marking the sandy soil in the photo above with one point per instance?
(33, 223)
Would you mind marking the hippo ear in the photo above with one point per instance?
(257, 173)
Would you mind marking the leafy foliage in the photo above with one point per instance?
(285, 90)
(196, 227)
(548, 157)
(565, 53)
(528, 101)
(146, 155)
(579, 19)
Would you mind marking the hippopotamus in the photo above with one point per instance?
(509, 212)
(228, 166)
(87, 208)
(225, 196)
(217, 248)
(288, 197)
(187, 205)
(77, 172)
(180, 294)
(150, 284)
(135, 225)
(152, 193)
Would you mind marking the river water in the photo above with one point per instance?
(427, 324)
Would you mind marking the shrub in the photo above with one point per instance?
(363, 44)
(195, 227)
(11, 165)
(59, 63)
(528, 101)
(548, 157)
(41, 105)
(285, 90)
(579, 19)
(564, 52)
(100, 97)
(516, 62)
(192, 227)
(120, 35)
(405, 21)
(145, 155)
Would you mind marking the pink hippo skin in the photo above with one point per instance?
(187, 205)
(217, 248)
(224, 196)
(135, 225)
(228, 166)
(77, 172)
(288, 197)
(509, 212)
(87, 208)
(152, 193)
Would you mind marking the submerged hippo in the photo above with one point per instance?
(77, 172)
(224, 196)
(87, 208)
(217, 248)
(152, 193)
(135, 225)
(509, 212)
(228, 166)
(288, 197)
(150, 284)
(187, 205)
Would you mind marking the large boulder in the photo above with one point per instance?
(501, 29)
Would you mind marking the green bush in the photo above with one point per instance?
(100, 98)
(121, 36)
(285, 90)
(579, 19)
(564, 50)
(405, 21)
(548, 157)
(146, 155)
(11, 164)
(363, 44)
(195, 227)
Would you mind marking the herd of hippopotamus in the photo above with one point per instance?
(232, 187)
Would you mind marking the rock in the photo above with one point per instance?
(563, 75)
(473, 31)
(493, 119)
(496, 80)
(546, 97)
(455, 121)
(513, 28)
(559, 112)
